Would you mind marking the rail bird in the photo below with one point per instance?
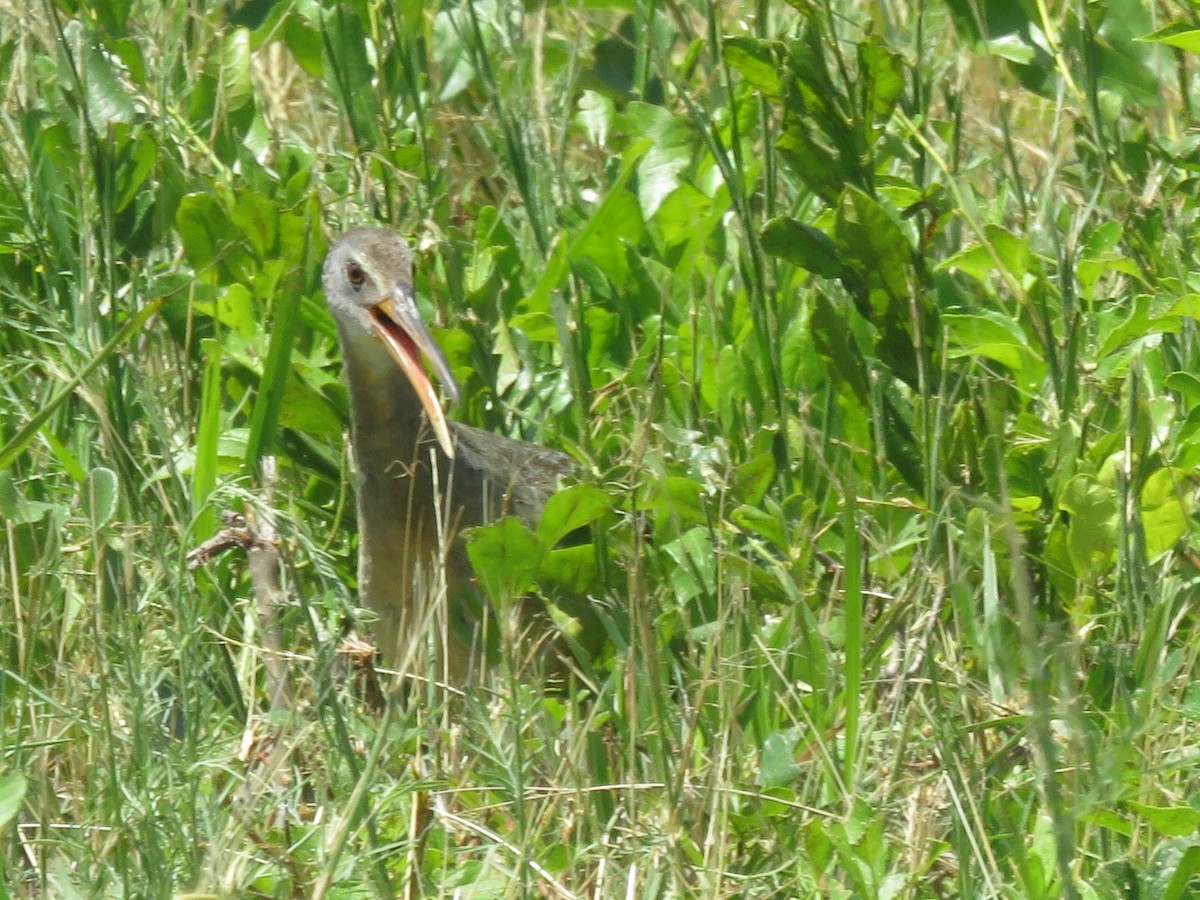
(421, 478)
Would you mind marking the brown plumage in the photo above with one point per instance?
(421, 478)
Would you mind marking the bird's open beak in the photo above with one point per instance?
(399, 324)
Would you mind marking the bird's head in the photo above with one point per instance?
(368, 285)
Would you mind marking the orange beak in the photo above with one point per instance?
(406, 337)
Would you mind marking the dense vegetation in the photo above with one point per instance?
(871, 326)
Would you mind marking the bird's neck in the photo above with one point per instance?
(380, 394)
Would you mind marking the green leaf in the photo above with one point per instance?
(12, 795)
(572, 569)
(671, 145)
(1184, 35)
(595, 114)
(208, 433)
(1091, 536)
(759, 522)
(553, 273)
(812, 159)
(1173, 821)
(569, 509)
(1173, 869)
(777, 766)
(257, 220)
(752, 478)
(305, 43)
(803, 246)
(506, 556)
(235, 70)
(101, 496)
(835, 341)
(756, 60)
(883, 78)
(678, 499)
(1165, 510)
(871, 242)
(1012, 47)
(107, 100)
(1000, 249)
(16, 509)
(273, 386)
(696, 566)
(1186, 384)
(992, 335)
(213, 249)
(137, 160)
(615, 223)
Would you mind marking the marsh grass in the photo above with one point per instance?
(878, 348)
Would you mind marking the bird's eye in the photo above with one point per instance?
(356, 275)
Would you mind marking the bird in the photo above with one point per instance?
(421, 478)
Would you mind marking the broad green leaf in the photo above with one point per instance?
(101, 496)
(235, 64)
(137, 160)
(677, 498)
(812, 159)
(305, 43)
(671, 146)
(1173, 868)
(536, 326)
(696, 563)
(871, 242)
(272, 387)
(303, 408)
(1165, 510)
(835, 341)
(572, 569)
(1001, 249)
(235, 311)
(16, 509)
(617, 221)
(752, 478)
(756, 60)
(882, 72)
(802, 245)
(762, 523)
(595, 114)
(569, 509)
(1012, 47)
(1187, 305)
(257, 220)
(12, 795)
(108, 102)
(208, 432)
(1173, 821)
(505, 556)
(777, 764)
(1186, 384)
(213, 249)
(992, 335)
(1184, 35)
(553, 273)
(1110, 819)
(1091, 537)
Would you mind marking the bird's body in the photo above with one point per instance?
(421, 479)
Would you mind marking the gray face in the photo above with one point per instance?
(364, 267)
(368, 285)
